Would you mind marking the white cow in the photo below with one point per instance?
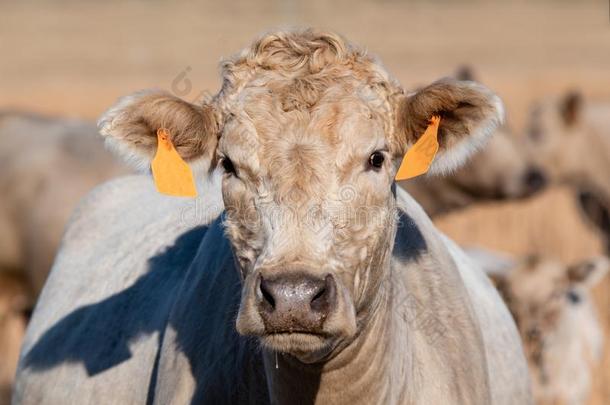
(301, 275)
(555, 313)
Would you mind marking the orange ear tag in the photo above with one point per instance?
(418, 159)
(171, 174)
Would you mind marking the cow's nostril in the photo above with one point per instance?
(534, 180)
(268, 302)
(319, 295)
(325, 295)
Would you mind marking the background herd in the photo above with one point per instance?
(533, 206)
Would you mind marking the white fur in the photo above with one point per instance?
(130, 155)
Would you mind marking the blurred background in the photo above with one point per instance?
(72, 59)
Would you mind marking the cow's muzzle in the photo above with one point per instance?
(296, 312)
(296, 303)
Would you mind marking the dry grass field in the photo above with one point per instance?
(74, 58)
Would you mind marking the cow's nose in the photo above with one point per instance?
(534, 180)
(296, 303)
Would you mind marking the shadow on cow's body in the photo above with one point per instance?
(105, 328)
(195, 292)
(98, 335)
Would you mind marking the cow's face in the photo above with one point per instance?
(557, 137)
(500, 171)
(551, 306)
(310, 208)
(309, 133)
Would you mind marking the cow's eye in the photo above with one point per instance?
(535, 133)
(376, 159)
(533, 333)
(573, 297)
(227, 165)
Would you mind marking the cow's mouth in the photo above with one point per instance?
(297, 343)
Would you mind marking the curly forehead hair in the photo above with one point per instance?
(304, 64)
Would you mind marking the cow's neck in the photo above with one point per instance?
(359, 374)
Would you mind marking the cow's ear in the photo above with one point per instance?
(596, 209)
(465, 73)
(130, 127)
(588, 272)
(570, 108)
(469, 115)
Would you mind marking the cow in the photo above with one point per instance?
(301, 274)
(499, 172)
(553, 307)
(46, 165)
(570, 139)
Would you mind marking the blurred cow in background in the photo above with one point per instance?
(553, 307)
(46, 166)
(500, 171)
(570, 139)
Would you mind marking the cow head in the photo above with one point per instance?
(501, 171)
(309, 132)
(552, 305)
(568, 138)
(557, 136)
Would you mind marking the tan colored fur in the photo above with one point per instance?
(569, 138)
(553, 308)
(137, 118)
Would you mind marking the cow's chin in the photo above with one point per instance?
(306, 347)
